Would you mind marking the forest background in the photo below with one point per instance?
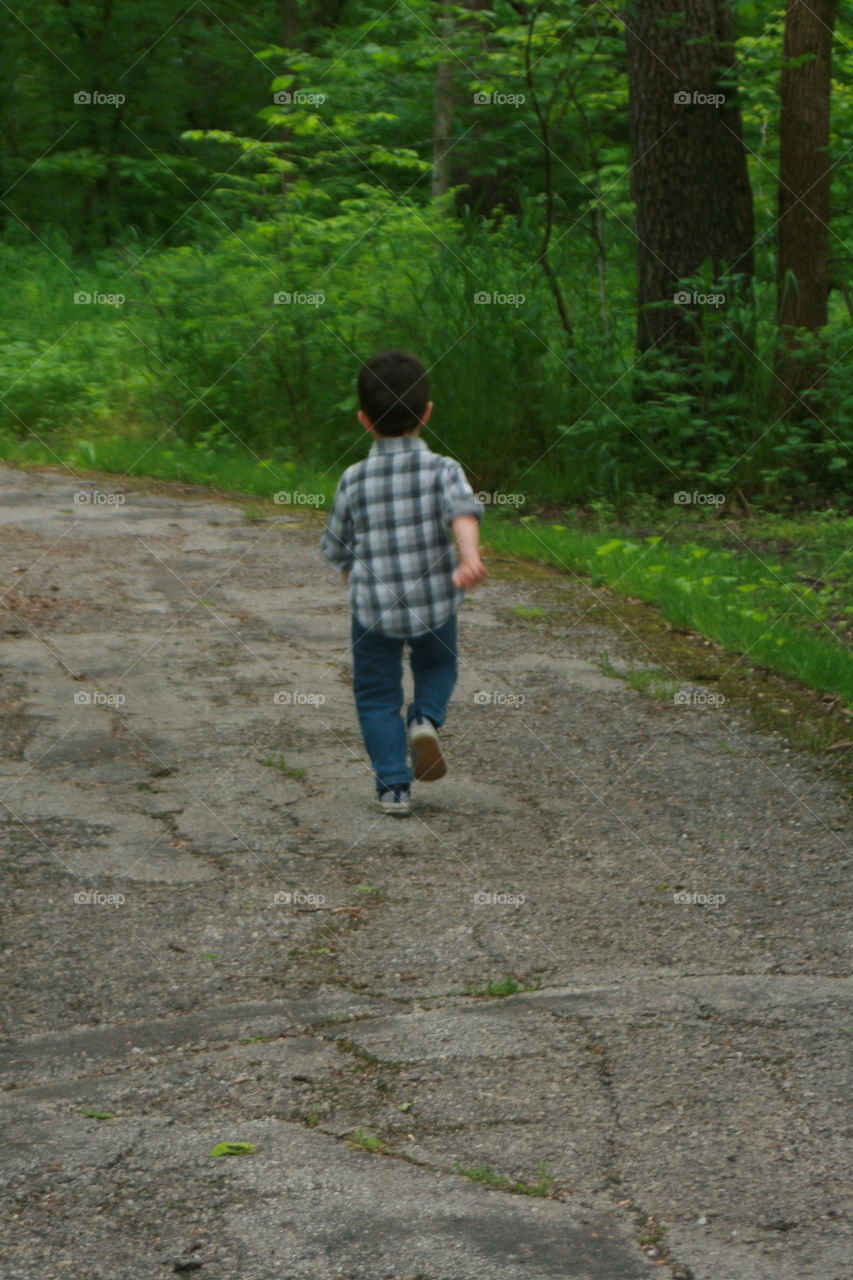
(621, 239)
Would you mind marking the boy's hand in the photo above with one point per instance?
(469, 573)
(345, 577)
(471, 570)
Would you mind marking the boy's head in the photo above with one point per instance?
(393, 393)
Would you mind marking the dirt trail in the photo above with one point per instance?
(211, 936)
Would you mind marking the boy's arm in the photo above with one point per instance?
(336, 543)
(466, 531)
(463, 513)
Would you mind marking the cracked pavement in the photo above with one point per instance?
(585, 1014)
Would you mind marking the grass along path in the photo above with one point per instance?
(745, 601)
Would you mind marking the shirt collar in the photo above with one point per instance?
(390, 444)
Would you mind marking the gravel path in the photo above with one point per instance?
(602, 964)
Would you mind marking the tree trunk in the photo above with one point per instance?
(443, 110)
(804, 181)
(689, 177)
(483, 186)
(290, 23)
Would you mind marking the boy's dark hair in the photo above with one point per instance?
(393, 391)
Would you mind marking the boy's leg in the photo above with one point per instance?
(434, 666)
(377, 676)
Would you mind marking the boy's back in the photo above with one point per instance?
(389, 524)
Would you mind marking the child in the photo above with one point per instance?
(387, 533)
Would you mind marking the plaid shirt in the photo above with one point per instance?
(388, 524)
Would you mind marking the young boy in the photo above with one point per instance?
(387, 533)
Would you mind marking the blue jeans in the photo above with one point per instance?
(377, 677)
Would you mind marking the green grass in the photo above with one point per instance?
(652, 1234)
(746, 600)
(486, 1175)
(279, 762)
(648, 680)
(367, 1141)
(504, 987)
(233, 470)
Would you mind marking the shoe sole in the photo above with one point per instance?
(428, 763)
(396, 812)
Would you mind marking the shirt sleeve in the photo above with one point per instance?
(457, 496)
(336, 543)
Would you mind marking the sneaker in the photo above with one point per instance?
(395, 801)
(427, 761)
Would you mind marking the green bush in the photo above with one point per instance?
(201, 353)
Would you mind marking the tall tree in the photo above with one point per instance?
(689, 176)
(804, 181)
(462, 28)
(443, 114)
